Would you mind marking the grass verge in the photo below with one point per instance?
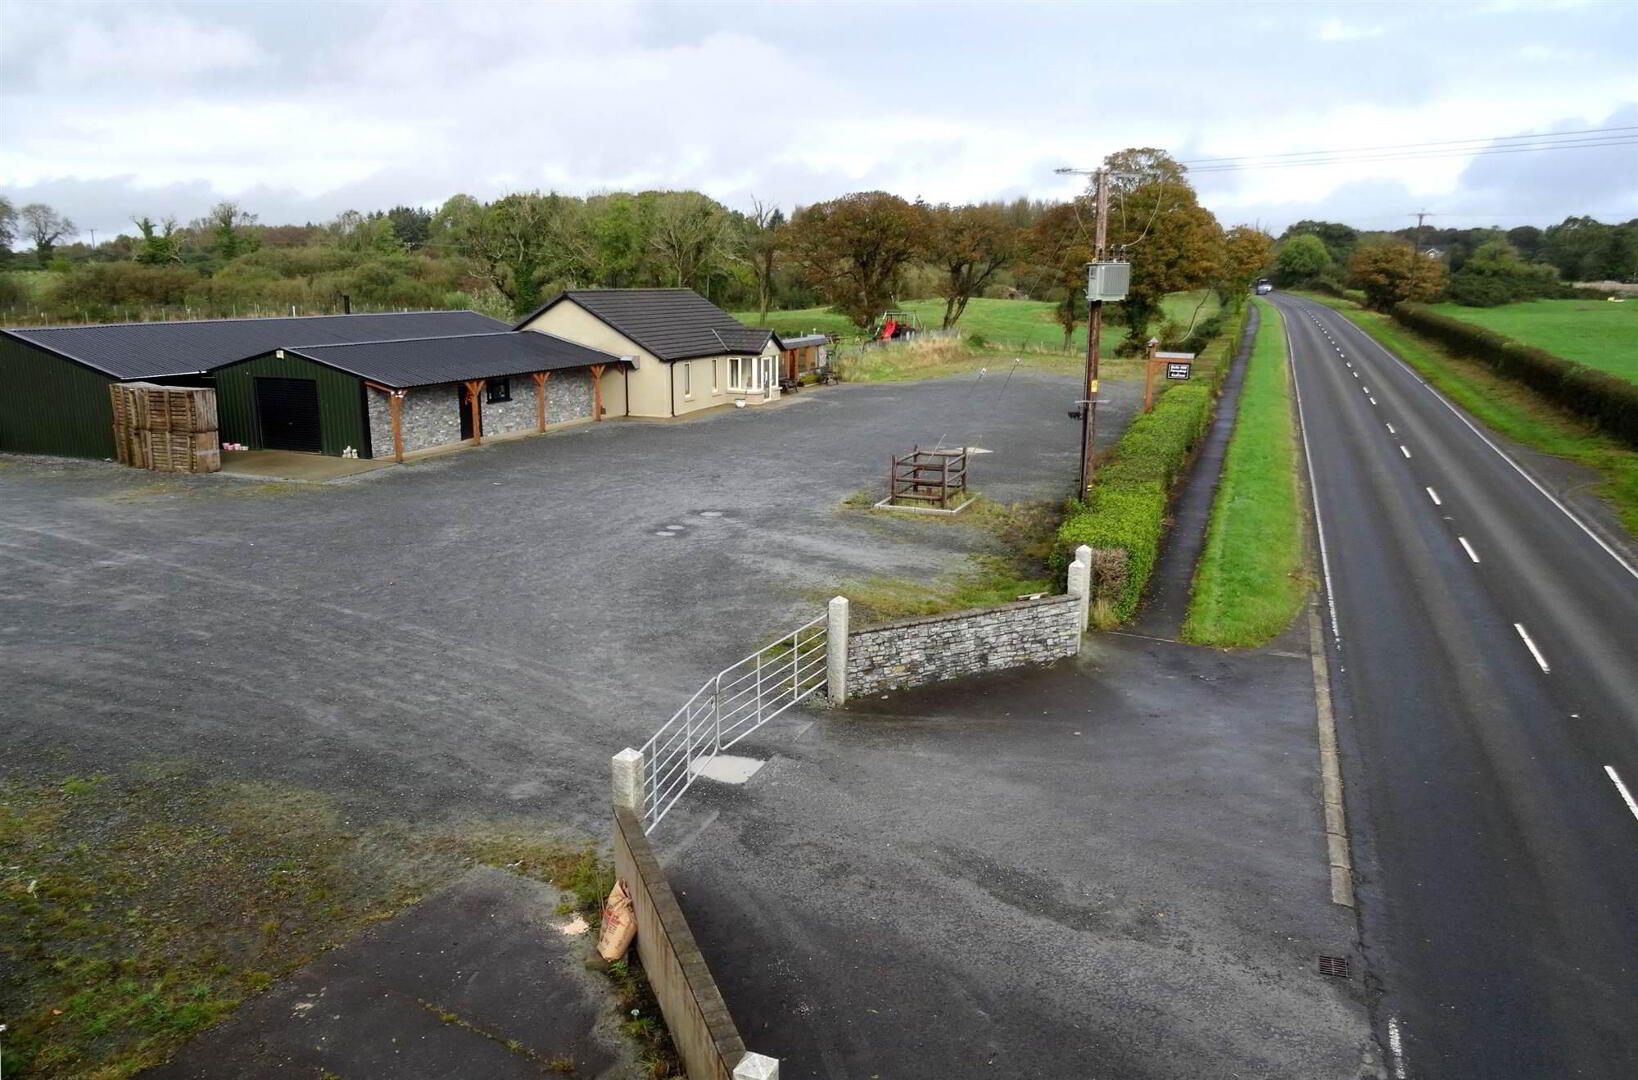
(1511, 409)
(1123, 517)
(1250, 582)
(137, 910)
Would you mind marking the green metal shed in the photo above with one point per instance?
(54, 379)
(248, 393)
(52, 404)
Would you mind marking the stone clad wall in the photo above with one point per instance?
(432, 414)
(915, 652)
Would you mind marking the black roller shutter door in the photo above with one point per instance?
(289, 413)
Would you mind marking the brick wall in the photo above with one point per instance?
(915, 652)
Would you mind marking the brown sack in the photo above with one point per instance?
(619, 924)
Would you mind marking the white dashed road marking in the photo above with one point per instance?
(1467, 547)
(1541, 661)
(1626, 796)
(1405, 450)
(1434, 495)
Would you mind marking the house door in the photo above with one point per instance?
(467, 405)
(288, 413)
(770, 374)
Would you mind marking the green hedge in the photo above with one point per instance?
(1608, 401)
(1125, 512)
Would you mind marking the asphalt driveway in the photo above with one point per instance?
(479, 632)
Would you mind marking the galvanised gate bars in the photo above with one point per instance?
(733, 703)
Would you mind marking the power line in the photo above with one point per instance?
(1413, 146)
(1422, 156)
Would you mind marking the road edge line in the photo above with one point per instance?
(1338, 849)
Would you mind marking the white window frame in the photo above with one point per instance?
(716, 375)
(688, 381)
(738, 368)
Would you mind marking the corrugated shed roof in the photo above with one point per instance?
(149, 350)
(801, 341)
(673, 324)
(429, 361)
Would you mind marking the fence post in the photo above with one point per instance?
(756, 1067)
(1080, 584)
(628, 780)
(836, 650)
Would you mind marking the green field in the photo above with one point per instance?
(1592, 332)
(1250, 580)
(1007, 324)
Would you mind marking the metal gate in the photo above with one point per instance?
(733, 703)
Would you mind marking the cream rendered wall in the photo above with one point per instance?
(649, 393)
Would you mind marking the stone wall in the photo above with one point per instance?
(915, 652)
(569, 396)
(432, 417)
(518, 414)
(432, 414)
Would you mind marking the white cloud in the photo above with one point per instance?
(124, 107)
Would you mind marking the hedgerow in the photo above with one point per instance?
(1124, 513)
(1605, 400)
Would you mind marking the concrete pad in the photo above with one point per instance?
(726, 768)
(290, 465)
(477, 981)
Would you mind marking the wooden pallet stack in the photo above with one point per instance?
(166, 428)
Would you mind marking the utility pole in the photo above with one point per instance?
(1094, 338)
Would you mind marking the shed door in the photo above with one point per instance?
(289, 413)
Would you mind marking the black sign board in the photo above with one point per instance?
(1178, 371)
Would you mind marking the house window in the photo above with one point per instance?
(498, 390)
(688, 381)
(742, 373)
(716, 377)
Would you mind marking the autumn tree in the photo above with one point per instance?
(854, 249)
(1301, 259)
(764, 236)
(1057, 249)
(1158, 225)
(1246, 253)
(692, 239)
(968, 245)
(44, 227)
(1392, 272)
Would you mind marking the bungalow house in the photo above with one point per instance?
(684, 354)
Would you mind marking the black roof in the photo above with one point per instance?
(673, 324)
(429, 361)
(150, 349)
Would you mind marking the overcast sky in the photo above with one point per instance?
(302, 110)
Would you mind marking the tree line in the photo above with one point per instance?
(1481, 267)
(860, 254)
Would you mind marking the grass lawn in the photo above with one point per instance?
(1250, 580)
(1019, 325)
(1592, 332)
(137, 910)
(1512, 409)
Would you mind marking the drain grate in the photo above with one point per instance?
(1335, 966)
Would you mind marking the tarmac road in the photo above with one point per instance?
(1484, 651)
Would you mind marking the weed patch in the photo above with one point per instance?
(141, 908)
